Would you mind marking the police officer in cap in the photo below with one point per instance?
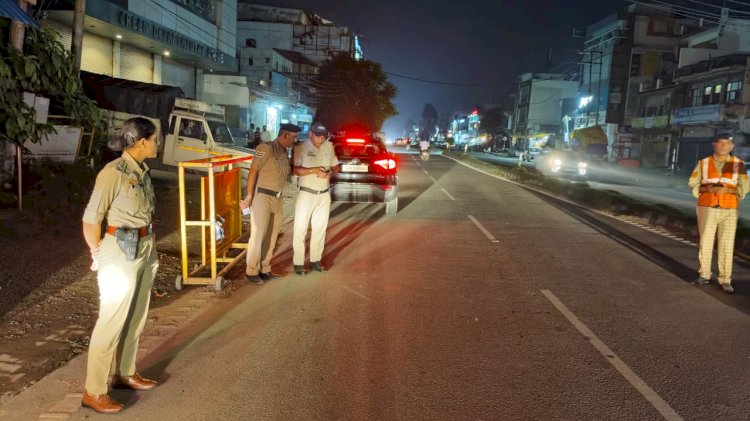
(265, 183)
(314, 162)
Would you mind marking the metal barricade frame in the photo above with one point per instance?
(224, 163)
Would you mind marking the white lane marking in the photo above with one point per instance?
(356, 293)
(418, 164)
(433, 179)
(425, 171)
(658, 403)
(448, 194)
(483, 229)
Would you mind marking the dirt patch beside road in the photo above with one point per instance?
(49, 297)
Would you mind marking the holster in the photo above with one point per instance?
(127, 240)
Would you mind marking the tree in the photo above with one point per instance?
(429, 120)
(493, 120)
(354, 93)
(45, 68)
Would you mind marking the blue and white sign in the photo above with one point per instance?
(697, 115)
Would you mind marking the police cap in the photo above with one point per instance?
(723, 136)
(319, 129)
(289, 127)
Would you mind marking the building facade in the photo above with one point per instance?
(172, 42)
(539, 108)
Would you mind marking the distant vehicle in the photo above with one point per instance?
(368, 172)
(564, 163)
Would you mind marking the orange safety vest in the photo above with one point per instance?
(729, 177)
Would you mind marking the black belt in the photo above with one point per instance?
(314, 191)
(269, 192)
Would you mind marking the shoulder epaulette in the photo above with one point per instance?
(122, 166)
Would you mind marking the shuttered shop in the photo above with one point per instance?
(180, 75)
(97, 51)
(136, 64)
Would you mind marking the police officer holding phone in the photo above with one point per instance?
(314, 162)
(125, 260)
(265, 184)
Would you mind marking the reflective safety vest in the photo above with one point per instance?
(729, 177)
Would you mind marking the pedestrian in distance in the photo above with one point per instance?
(256, 138)
(249, 134)
(313, 162)
(265, 135)
(125, 261)
(719, 182)
(265, 183)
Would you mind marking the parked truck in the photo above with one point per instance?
(194, 130)
(188, 129)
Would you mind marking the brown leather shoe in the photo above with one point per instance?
(135, 382)
(104, 404)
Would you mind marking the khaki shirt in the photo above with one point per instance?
(743, 186)
(272, 161)
(123, 194)
(306, 155)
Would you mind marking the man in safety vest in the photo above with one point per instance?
(719, 182)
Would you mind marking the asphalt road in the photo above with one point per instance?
(640, 185)
(478, 300)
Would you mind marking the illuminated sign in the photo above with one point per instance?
(167, 36)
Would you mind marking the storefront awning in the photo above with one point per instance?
(10, 10)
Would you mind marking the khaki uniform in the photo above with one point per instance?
(124, 195)
(266, 210)
(313, 204)
(717, 224)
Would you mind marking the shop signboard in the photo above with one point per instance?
(697, 115)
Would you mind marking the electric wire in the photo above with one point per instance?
(176, 16)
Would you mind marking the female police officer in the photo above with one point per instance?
(126, 262)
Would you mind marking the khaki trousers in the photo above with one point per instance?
(721, 225)
(310, 210)
(124, 295)
(266, 214)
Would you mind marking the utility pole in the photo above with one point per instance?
(76, 44)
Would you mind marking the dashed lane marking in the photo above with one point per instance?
(433, 179)
(448, 194)
(658, 403)
(483, 229)
(356, 293)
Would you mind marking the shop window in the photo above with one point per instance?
(716, 97)
(707, 93)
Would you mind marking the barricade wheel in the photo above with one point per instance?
(178, 283)
(219, 283)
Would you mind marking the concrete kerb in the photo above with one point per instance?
(58, 395)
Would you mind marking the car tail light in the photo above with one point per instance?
(355, 141)
(387, 164)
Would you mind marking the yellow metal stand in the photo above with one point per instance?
(228, 201)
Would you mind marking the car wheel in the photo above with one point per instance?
(391, 207)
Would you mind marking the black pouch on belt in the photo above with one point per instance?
(127, 240)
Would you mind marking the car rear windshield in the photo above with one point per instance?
(357, 147)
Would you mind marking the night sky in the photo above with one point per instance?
(486, 42)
